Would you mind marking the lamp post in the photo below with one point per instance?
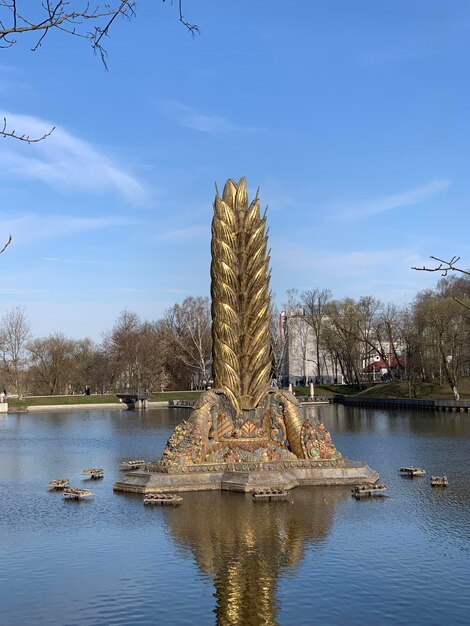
(312, 388)
(312, 392)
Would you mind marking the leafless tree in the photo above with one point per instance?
(314, 303)
(378, 332)
(190, 326)
(15, 332)
(134, 354)
(341, 336)
(122, 347)
(278, 335)
(51, 363)
(85, 360)
(411, 336)
(154, 372)
(446, 334)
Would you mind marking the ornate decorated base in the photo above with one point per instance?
(271, 446)
(247, 476)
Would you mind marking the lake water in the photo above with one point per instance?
(220, 558)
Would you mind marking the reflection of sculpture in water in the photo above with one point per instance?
(243, 420)
(244, 545)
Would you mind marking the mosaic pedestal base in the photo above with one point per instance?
(247, 477)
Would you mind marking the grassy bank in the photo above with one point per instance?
(57, 400)
(424, 391)
(328, 391)
(95, 399)
(430, 391)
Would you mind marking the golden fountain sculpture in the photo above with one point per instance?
(244, 434)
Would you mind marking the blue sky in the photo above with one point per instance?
(352, 117)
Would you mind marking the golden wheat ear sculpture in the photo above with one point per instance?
(241, 351)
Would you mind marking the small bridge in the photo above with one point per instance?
(134, 399)
(182, 404)
(314, 399)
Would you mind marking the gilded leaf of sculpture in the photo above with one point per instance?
(240, 297)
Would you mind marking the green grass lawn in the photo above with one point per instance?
(327, 390)
(165, 396)
(95, 399)
(55, 400)
(396, 389)
(430, 391)
(425, 391)
(320, 390)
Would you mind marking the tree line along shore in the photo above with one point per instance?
(392, 390)
(423, 349)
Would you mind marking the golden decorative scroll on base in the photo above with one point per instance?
(273, 431)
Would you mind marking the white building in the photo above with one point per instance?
(300, 365)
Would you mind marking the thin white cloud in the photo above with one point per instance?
(183, 234)
(12, 81)
(143, 290)
(383, 273)
(28, 228)
(382, 204)
(53, 259)
(10, 69)
(327, 263)
(205, 123)
(65, 161)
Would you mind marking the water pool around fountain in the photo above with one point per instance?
(321, 556)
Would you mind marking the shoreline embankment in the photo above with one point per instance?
(384, 403)
(76, 407)
(405, 403)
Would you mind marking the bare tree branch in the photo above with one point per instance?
(58, 14)
(6, 245)
(444, 266)
(192, 28)
(4, 132)
(69, 16)
(127, 9)
(465, 306)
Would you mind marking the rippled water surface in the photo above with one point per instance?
(220, 558)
